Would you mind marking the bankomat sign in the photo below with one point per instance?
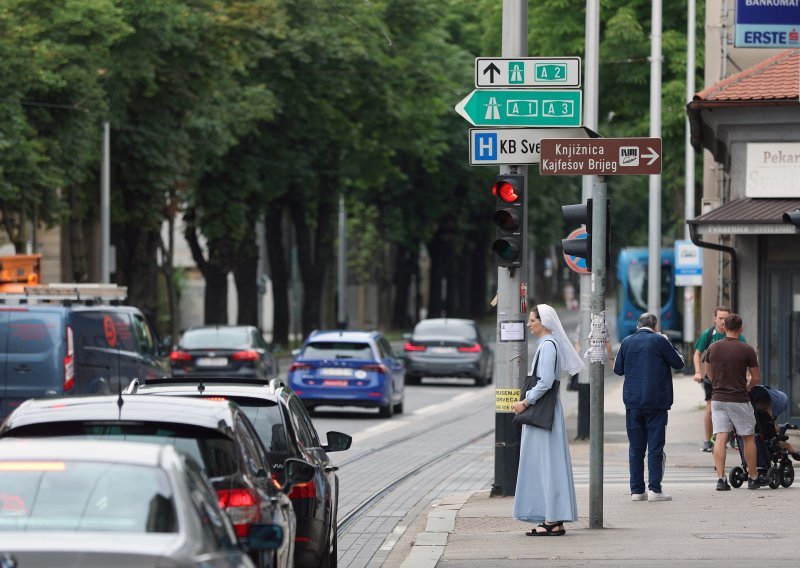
(767, 23)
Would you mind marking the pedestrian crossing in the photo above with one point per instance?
(620, 475)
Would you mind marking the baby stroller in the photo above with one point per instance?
(773, 460)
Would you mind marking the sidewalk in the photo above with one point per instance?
(700, 527)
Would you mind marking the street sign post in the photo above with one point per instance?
(600, 156)
(522, 108)
(527, 72)
(491, 147)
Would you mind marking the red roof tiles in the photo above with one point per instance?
(776, 78)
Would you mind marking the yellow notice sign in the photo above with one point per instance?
(504, 398)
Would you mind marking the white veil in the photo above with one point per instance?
(568, 358)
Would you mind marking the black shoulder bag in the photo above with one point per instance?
(542, 413)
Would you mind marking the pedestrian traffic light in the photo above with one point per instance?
(509, 220)
(581, 214)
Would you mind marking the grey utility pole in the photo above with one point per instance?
(105, 207)
(689, 293)
(654, 232)
(511, 358)
(341, 273)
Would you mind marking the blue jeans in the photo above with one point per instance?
(647, 430)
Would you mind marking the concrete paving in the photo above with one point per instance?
(700, 527)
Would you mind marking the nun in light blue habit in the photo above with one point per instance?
(545, 491)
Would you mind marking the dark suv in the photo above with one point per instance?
(52, 349)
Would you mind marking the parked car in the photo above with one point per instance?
(448, 347)
(52, 349)
(348, 368)
(99, 503)
(285, 429)
(217, 434)
(223, 351)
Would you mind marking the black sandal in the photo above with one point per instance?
(549, 530)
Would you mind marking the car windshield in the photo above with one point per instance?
(215, 452)
(266, 418)
(337, 350)
(445, 330)
(85, 496)
(215, 338)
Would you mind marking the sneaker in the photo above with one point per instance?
(757, 483)
(638, 496)
(733, 443)
(722, 484)
(708, 446)
(653, 496)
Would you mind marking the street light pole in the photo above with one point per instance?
(105, 207)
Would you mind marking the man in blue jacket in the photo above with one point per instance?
(646, 359)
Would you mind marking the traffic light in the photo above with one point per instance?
(581, 214)
(509, 220)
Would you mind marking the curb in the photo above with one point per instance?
(430, 544)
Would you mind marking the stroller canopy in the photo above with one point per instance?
(777, 399)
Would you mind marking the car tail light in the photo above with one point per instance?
(306, 490)
(411, 347)
(69, 362)
(471, 349)
(242, 506)
(375, 368)
(248, 355)
(178, 356)
(300, 367)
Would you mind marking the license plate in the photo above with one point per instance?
(212, 361)
(336, 372)
(442, 349)
(334, 383)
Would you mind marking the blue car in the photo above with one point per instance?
(348, 368)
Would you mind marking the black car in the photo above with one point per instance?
(223, 351)
(74, 348)
(217, 434)
(283, 424)
(448, 347)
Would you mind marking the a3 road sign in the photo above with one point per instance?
(600, 156)
(522, 108)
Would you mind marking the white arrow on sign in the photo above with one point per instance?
(653, 155)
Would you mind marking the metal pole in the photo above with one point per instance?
(511, 358)
(654, 230)
(341, 275)
(689, 293)
(593, 286)
(105, 207)
(596, 366)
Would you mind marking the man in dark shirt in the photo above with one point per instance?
(647, 358)
(727, 364)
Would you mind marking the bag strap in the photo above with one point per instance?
(536, 364)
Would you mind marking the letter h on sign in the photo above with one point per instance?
(485, 146)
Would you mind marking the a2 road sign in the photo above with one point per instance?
(490, 147)
(527, 72)
(522, 108)
(600, 156)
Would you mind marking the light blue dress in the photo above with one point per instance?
(545, 489)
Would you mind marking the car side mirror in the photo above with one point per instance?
(165, 345)
(296, 471)
(337, 442)
(262, 536)
(407, 336)
(295, 352)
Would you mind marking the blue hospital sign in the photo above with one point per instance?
(485, 147)
(767, 23)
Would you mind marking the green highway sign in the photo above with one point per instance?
(522, 108)
(527, 72)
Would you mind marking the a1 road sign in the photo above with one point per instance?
(522, 108)
(490, 147)
(577, 263)
(526, 72)
(600, 157)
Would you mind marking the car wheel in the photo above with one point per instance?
(480, 381)
(412, 379)
(398, 408)
(388, 410)
(330, 555)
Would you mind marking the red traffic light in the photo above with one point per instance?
(505, 191)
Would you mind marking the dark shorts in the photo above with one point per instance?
(708, 388)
